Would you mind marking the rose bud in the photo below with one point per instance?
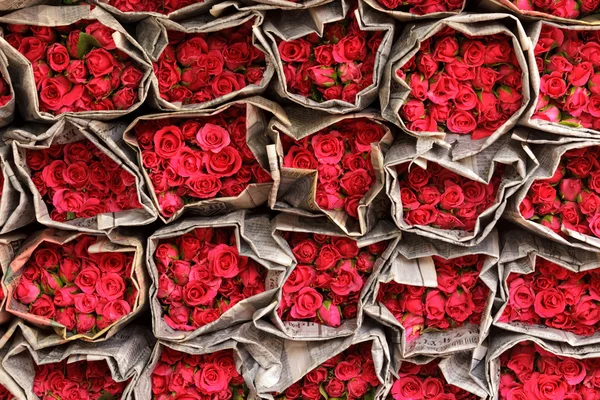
(553, 222)
(329, 314)
(322, 76)
(26, 292)
(570, 188)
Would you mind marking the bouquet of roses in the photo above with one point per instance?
(452, 200)
(84, 286)
(330, 278)
(81, 178)
(206, 62)
(548, 291)
(337, 70)
(409, 10)
(568, 11)
(341, 157)
(462, 80)
(202, 273)
(433, 288)
(203, 161)
(74, 62)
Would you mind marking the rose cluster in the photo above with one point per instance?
(349, 375)
(200, 67)
(77, 180)
(5, 95)
(202, 275)
(529, 372)
(465, 85)
(81, 380)
(572, 9)
(570, 198)
(443, 199)
(555, 297)
(202, 158)
(85, 292)
(459, 298)
(426, 382)
(158, 6)
(328, 279)
(336, 66)
(77, 67)
(341, 154)
(191, 376)
(569, 65)
(422, 7)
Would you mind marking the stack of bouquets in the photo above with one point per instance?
(548, 291)
(564, 76)
(323, 294)
(16, 207)
(567, 11)
(353, 367)
(436, 296)
(206, 61)
(337, 70)
(206, 277)
(202, 161)
(70, 64)
(455, 201)
(410, 10)
(84, 286)
(81, 177)
(332, 168)
(558, 199)
(51, 369)
(463, 80)
(9, 245)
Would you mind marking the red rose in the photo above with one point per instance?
(306, 303)
(100, 62)
(224, 163)
(224, 261)
(124, 98)
(227, 82)
(350, 48)
(423, 215)
(297, 50)
(549, 303)
(203, 186)
(356, 182)
(58, 57)
(32, 48)
(461, 121)
(213, 138)
(298, 157)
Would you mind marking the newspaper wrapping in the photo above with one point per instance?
(406, 16)
(284, 25)
(256, 125)
(152, 34)
(502, 341)
(7, 111)
(533, 31)
(253, 351)
(480, 167)
(16, 204)
(297, 358)
(294, 190)
(253, 239)
(21, 71)
(411, 264)
(305, 330)
(115, 241)
(395, 91)
(106, 136)
(8, 5)
(547, 150)
(9, 245)
(503, 6)
(126, 354)
(520, 250)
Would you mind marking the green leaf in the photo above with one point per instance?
(107, 396)
(570, 124)
(323, 392)
(85, 44)
(70, 216)
(370, 395)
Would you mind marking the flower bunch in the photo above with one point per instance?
(78, 180)
(349, 375)
(570, 9)
(425, 382)
(336, 66)
(201, 158)
(5, 94)
(326, 283)
(569, 198)
(77, 67)
(85, 292)
(423, 7)
(443, 199)
(157, 6)
(202, 275)
(529, 372)
(82, 380)
(568, 62)
(555, 297)
(459, 298)
(192, 376)
(200, 67)
(341, 154)
(463, 85)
